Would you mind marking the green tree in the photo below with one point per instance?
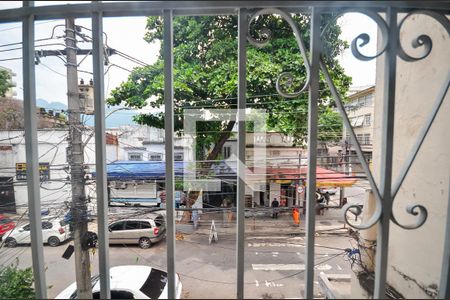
(205, 76)
(16, 283)
(5, 82)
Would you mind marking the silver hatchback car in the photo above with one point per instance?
(143, 232)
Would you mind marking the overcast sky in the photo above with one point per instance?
(126, 35)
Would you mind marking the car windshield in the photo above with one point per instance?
(159, 221)
(94, 280)
(155, 283)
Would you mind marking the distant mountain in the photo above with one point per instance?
(50, 105)
(116, 119)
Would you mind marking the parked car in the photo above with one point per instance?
(6, 224)
(329, 190)
(143, 232)
(130, 282)
(54, 231)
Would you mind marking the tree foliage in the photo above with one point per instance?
(16, 283)
(5, 82)
(11, 114)
(205, 75)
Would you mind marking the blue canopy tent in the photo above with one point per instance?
(140, 170)
(156, 171)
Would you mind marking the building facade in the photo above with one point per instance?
(360, 111)
(128, 143)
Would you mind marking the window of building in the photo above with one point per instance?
(367, 120)
(155, 157)
(226, 152)
(275, 153)
(369, 100)
(358, 121)
(366, 140)
(361, 101)
(179, 156)
(135, 156)
(359, 137)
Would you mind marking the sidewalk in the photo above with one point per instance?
(331, 222)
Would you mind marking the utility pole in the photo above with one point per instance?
(76, 162)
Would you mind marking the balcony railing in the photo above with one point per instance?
(386, 14)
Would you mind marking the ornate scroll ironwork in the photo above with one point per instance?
(422, 40)
(360, 41)
(265, 37)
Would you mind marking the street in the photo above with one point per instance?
(273, 264)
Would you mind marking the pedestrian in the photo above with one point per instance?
(162, 197)
(225, 213)
(275, 205)
(296, 216)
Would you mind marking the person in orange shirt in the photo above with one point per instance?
(296, 216)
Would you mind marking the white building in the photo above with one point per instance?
(145, 143)
(55, 189)
(360, 111)
(135, 143)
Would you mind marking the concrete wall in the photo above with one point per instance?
(415, 256)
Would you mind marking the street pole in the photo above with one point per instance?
(76, 162)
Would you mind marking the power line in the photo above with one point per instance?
(63, 75)
(20, 26)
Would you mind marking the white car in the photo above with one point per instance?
(329, 190)
(130, 282)
(54, 231)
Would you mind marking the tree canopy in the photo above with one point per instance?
(5, 82)
(16, 283)
(206, 74)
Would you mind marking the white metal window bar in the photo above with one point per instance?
(31, 144)
(384, 194)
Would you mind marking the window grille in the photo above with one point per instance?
(385, 14)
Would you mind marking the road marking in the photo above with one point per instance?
(323, 267)
(256, 245)
(287, 267)
(256, 283)
(273, 284)
(275, 254)
(278, 267)
(265, 237)
(339, 267)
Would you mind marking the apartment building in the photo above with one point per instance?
(360, 110)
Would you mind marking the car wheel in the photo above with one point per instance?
(145, 243)
(53, 241)
(11, 242)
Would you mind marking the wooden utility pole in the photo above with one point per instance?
(76, 162)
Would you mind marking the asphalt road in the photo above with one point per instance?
(273, 264)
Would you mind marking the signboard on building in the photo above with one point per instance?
(44, 171)
(5, 148)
